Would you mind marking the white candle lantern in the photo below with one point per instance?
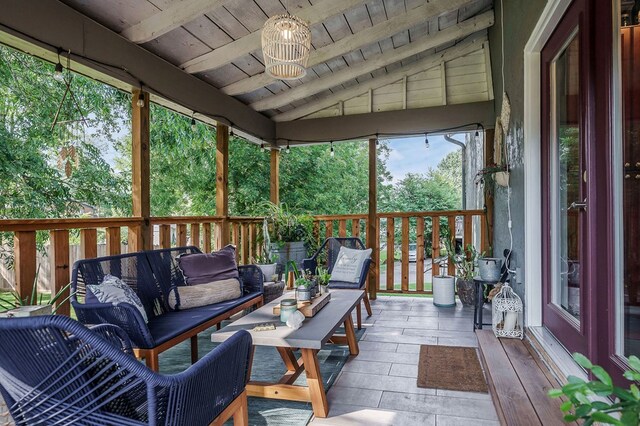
(507, 314)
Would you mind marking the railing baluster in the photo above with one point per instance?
(206, 237)
(355, 228)
(195, 234)
(113, 237)
(435, 245)
(405, 254)
(342, 228)
(253, 242)
(24, 248)
(390, 253)
(420, 254)
(181, 234)
(60, 271)
(468, 230)
(316, 232)
(165, 236)
(235, 239)
(88, 243)
(451, 268)
(328, 231)
(245, 244)
(484, 233)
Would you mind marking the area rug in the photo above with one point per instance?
(450, 367)
(267, 366)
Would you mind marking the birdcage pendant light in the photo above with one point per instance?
(286, 42)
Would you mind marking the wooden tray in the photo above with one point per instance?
(309, 309)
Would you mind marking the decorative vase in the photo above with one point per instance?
(289, 251)
(324, 289)
(490, 268)
(303, 294)
(444, 294)
(466, 290)
(502, 178)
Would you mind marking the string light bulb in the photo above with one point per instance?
(477, 136)
(262, 147)
(288, 148)
(332, 152)
(231, 133)
(57, 72)
(193, 123)
(426, 141)
(140, 101)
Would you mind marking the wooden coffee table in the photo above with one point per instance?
(314, 333)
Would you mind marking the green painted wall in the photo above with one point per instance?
(520, 17)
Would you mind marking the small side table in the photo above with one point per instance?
(478, 307)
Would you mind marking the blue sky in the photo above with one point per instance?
(409, 155)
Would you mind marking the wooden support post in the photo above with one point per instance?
(420, 254)
(60, 271)
(165, 236)
(24, 249)
(372, 220)
(206, 237)
(195, 234)
(222, 181)
(113, 241)
(88, 243)
(181, 235)
(275, 176)
(487, 242)
(140, 237)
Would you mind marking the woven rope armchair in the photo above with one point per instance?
(53, 370)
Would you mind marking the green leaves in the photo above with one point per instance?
(591, 401)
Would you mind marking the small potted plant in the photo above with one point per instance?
(303, 289)
(465, 264)
(322, 278)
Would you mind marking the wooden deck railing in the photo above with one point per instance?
(394, 230)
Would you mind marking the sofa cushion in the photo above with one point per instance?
(349, 264)
(172, 324)
(202, 268)
(204, 294)
(113, 290)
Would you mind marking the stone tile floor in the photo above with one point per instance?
(378, 387)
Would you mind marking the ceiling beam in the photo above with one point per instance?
(223, 55)
(50, 25)
(381, 31)
(461, 49)
(406, 122)
(169, 19)
(330, 80)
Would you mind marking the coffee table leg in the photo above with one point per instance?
(351, 336)
(314, 382)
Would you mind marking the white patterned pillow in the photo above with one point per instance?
(113, 290)
(349, 264)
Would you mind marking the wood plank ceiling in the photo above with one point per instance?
(367, 55)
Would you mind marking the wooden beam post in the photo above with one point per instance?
(275, 175)
(487, 243)
(60, 271)
(372, 220)
(24, 249)
(140, 237)
(222, 181)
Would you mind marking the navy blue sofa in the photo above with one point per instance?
(153, 274)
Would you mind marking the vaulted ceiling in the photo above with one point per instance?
(367, 56)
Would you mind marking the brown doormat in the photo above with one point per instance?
(450, 367)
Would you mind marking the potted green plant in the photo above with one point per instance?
(288, 234)
(303, 288)
(322, 277)
(491, 175)
(32, 305)
(266, 261)
(465, 264)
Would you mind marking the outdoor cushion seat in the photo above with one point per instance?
(329, 250)
(56, 371)
(153, 275)
(172, 324)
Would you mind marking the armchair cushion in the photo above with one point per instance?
(268, 271)
(113, 290)
(349, 264)
(204, 294)
(202, 268)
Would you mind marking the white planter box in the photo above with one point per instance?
(27, 311)
(444, 291)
